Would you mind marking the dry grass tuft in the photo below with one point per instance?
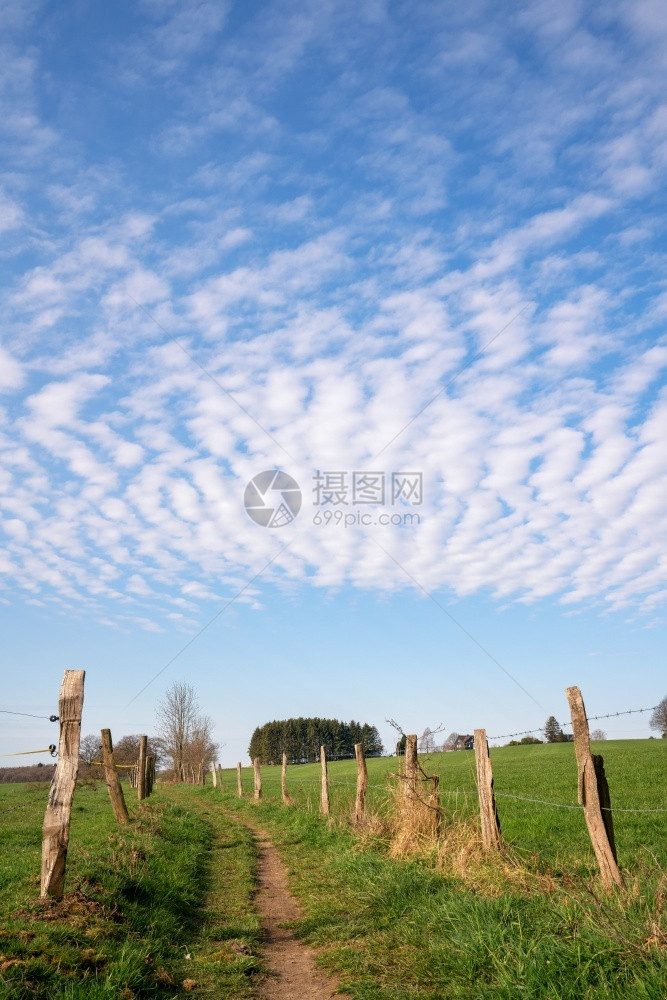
(451, 840)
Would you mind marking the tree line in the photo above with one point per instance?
(301, 740)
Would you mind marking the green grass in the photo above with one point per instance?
(170, 898)
(139, 900)
(400, 930)
(636, 771)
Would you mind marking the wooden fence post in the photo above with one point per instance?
(55, 830)
(324, 794)
(593, 789)
(214, 775)
(112, 779)
(434, 805)
(410, 774)
(487, 802)
(258, 779)
(239, 783)
(220, 776)
(141, 769)
(150, 774)
(362, 782)
(287, 799)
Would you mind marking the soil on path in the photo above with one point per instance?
(294, 973)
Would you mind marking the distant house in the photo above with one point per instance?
(465, 743)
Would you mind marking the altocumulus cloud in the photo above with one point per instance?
(357, 279)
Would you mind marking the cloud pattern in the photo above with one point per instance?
(430, 247)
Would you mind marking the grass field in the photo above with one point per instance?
(139, 900)
(153, 909)
(636, 771)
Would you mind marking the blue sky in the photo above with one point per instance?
(341, 238)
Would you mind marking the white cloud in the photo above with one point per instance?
(335, 248)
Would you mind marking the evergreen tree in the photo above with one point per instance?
(552, 731)
(301, 740)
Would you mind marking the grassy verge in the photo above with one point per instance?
(401, 930)
(150, 910)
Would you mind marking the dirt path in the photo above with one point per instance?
(295, 975)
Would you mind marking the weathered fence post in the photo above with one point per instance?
(141, 768)
(150, 771)
(324, 794)
(420, 814)
(258, 779)
(214, 775)
(605, 800)
(487, 802)
(112, 780)
(55, 830)
(287, 799)
(239, 782)
(593, 789)
(434, 805)
(220, 776)
(410, 773)
(362, 782)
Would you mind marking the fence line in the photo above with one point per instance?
(593, 790)
(421, 810)
(453, 792)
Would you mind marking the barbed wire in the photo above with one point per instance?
(568, 725)
(628, 711)
(49, 718)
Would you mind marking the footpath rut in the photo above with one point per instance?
(294, 975)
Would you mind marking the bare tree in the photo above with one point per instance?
(90, 750)
(126, 750)
(201, 751)
(598, 734)
(659, 718)
(450, 742)
(426, 741)
(185, 734)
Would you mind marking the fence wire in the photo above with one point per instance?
(460, 792)
(29, 715)
(24, 805)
